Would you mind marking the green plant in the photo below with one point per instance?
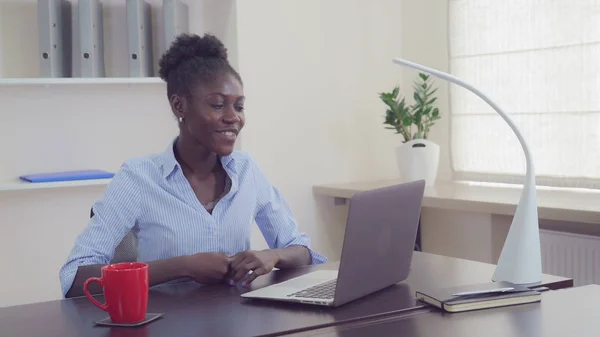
(412, 121)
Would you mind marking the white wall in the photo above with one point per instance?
(69, 127)
(470, 235)
(18, 16)
(64, 128)
(312, 70)
(313, 117)
(425, 40)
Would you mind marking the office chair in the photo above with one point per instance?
(126, 250)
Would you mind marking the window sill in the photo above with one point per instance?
(553, 204)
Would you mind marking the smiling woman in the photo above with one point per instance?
(192, 206)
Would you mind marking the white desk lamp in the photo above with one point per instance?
(521, 260)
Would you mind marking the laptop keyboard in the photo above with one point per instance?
(323, 291)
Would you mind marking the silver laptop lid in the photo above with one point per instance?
(379, 240)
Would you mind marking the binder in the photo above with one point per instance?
(91, 38)
(67, 176)
(176, 20)
(54, 31)
(139, 34)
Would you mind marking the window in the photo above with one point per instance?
(540, 61)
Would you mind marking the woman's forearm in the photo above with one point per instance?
(166, 270)
(159, 271)
(292, 257)
(83, 273)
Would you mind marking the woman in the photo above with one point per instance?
(192, 206)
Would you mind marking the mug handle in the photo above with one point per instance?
(102, 306)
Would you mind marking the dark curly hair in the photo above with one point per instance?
(192, 59)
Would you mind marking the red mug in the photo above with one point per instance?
(125, 291)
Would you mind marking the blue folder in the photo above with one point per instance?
(67, 176)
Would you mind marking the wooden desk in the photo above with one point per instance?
(570, 312)
(194, 310)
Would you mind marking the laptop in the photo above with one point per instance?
(377, 250)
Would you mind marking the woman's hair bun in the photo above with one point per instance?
(190, 46)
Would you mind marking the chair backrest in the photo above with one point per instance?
(126, 250)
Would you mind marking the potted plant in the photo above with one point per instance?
(417, 157)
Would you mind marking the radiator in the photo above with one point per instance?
(571, 255)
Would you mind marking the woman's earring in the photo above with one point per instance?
(180, 120)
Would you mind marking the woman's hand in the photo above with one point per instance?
(207, 267)
(260, 262)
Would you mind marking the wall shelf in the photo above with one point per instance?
(19, 185)
(78, 81)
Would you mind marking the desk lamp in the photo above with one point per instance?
(521, 260)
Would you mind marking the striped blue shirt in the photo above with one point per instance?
(151, 197)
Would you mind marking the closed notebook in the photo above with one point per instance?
(67, 176)
(492, 296)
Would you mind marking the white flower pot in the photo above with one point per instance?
(418, 159)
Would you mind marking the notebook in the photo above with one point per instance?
(67, 176)
(479, 296)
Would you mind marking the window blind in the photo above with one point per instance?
(540, 61)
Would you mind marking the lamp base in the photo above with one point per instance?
(521, 259)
